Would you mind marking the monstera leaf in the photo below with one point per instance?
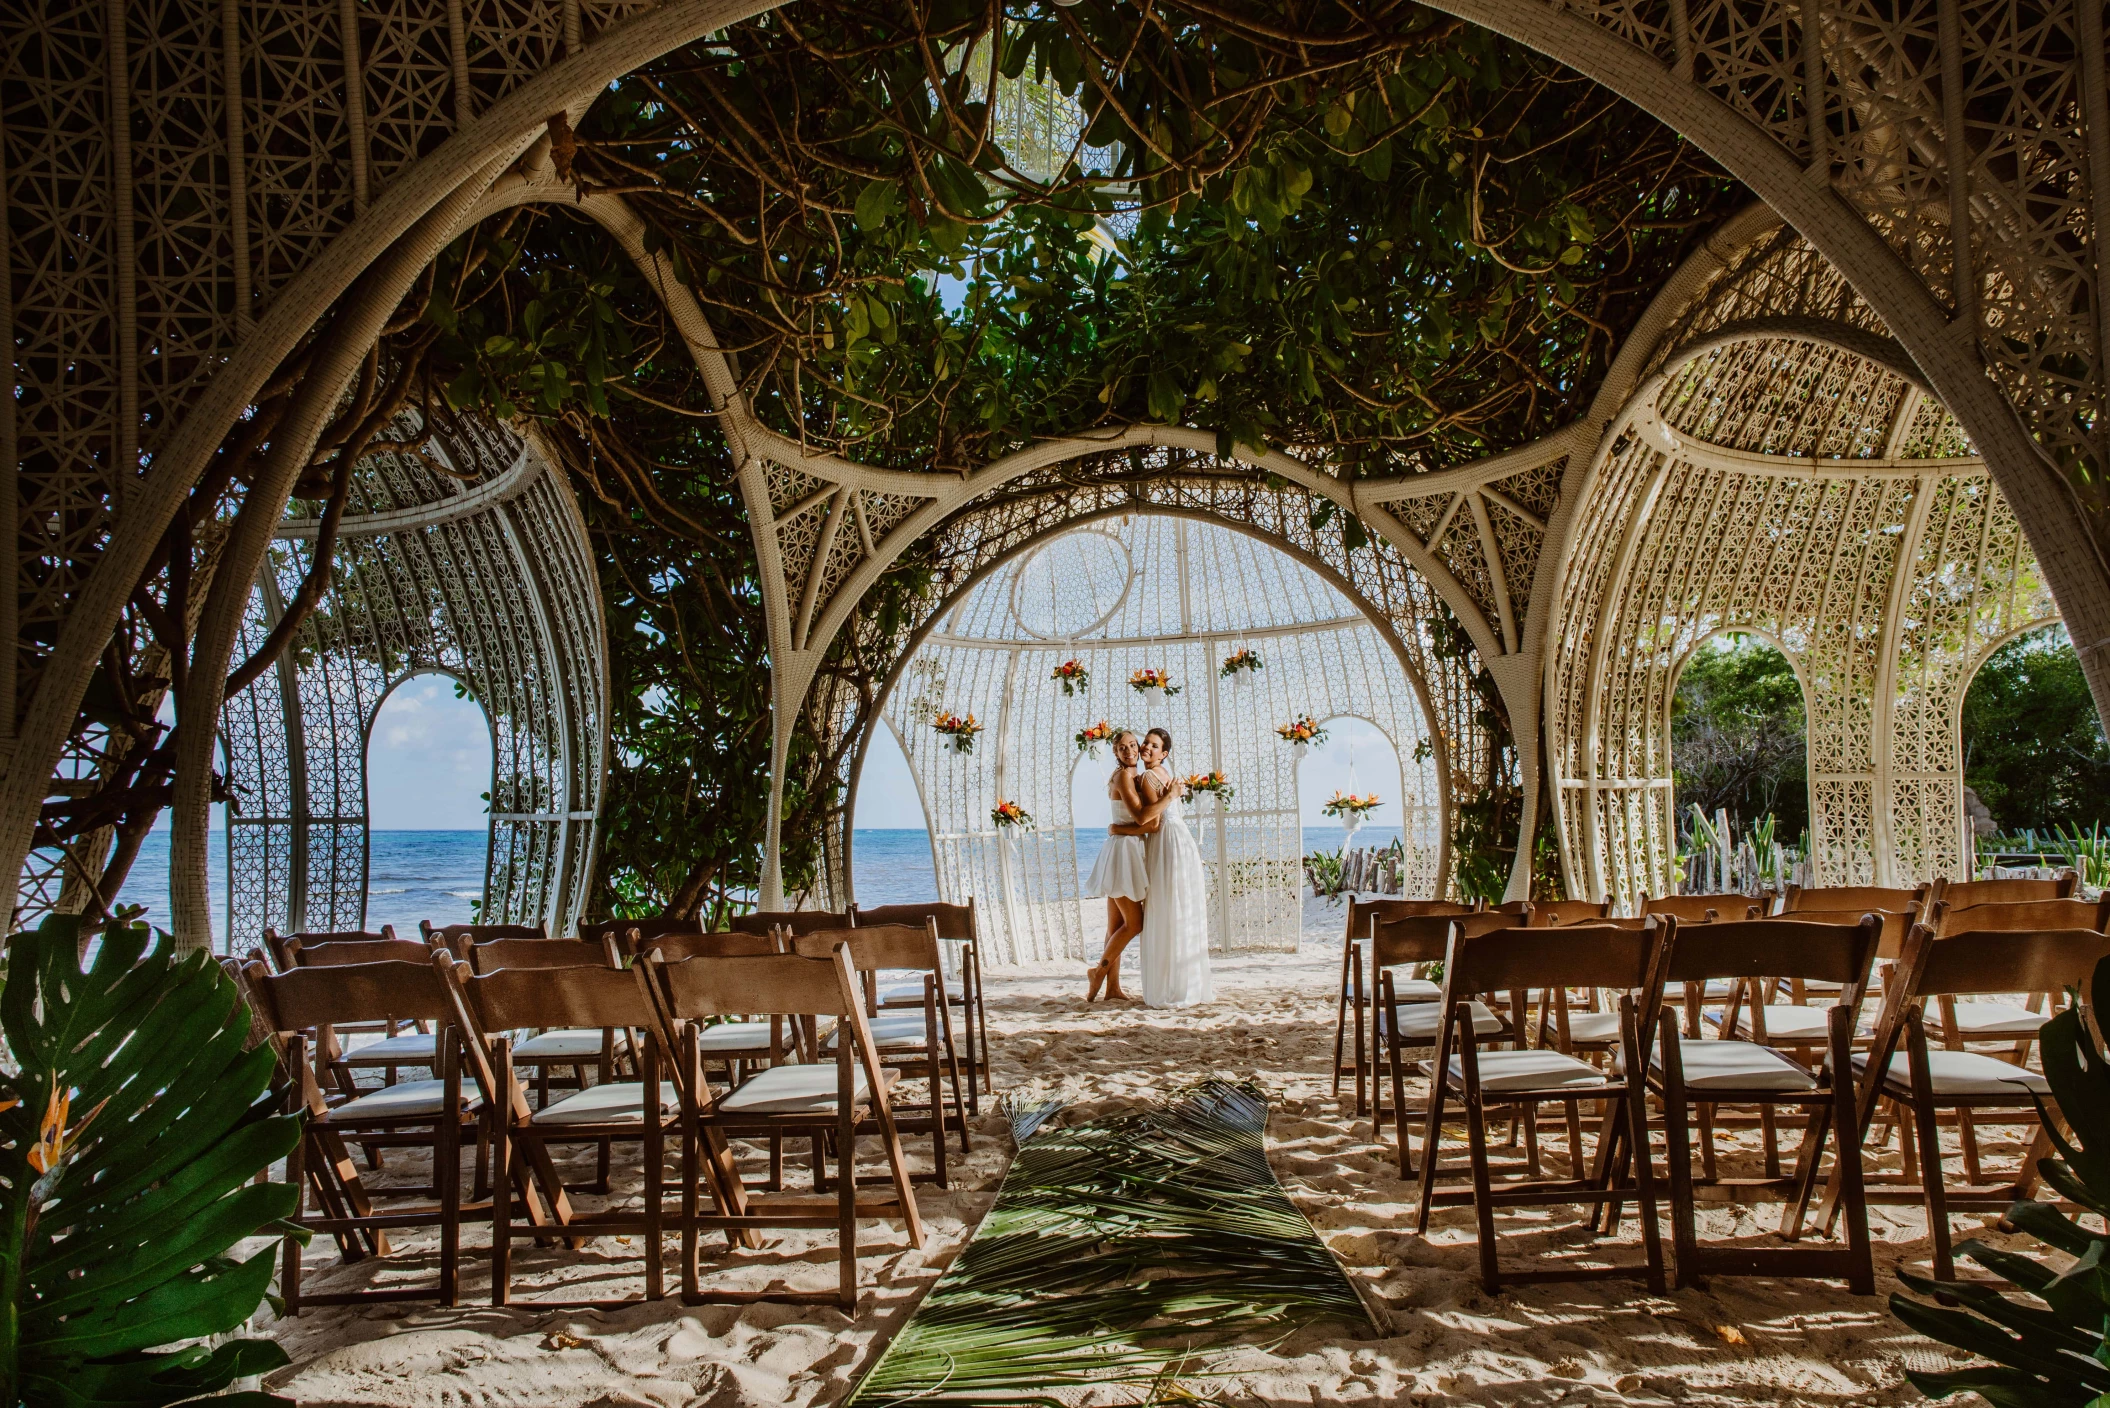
(133, 1124)
(2051, 1350)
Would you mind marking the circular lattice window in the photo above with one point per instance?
(1071, 586)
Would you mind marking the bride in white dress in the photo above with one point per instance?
(1176, 921)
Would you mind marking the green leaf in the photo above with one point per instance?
(877, 204)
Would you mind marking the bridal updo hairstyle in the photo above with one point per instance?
(1162, 736)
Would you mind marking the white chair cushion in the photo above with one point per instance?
(1966, 1073)
(1418, 1022)
(409, 1048)
(890, 1030)
(571, 1044)
(913, 992)
(1593, 1026)
(797, 1090)
(404, 1100)
(1737, 1065)
(1985, 1021)
(1530, 1070)
(1790, 1024)
(1417, 990)
(734, 1036)
(618, 1101)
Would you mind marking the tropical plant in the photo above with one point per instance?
(2054, 1353)
(1349, 804)
(1149, 678)
(1326, 873)
(957, 732)
(1006, 814)
(1244, 661)
(134, 1122)
(1304, 730)
(1115, 1250)
(1072, 676)
(2033, 747)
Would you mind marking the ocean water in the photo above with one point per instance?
(413, 875)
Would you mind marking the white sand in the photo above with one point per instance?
(1441, 1341)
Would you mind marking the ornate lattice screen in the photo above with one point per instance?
(488, 579)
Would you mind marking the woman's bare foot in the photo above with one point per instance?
(1097, 975)
(1113, 987)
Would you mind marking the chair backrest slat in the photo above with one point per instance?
(652, 928)
(955, 921)
(2042, 960)
(1547, 913)
(778, 984)
(1964, 894)
(675, 947)
(558, 997)
(339, 952)
(798, 921)
(280, 946)
(1362, 912)
(2013, 917)
(1548, 958)
(877, 947)
(1858, 898)
(1774, 948)
(492, 955)
(343, 994)
(456, 938)
(1696, 909)
(1425, 938)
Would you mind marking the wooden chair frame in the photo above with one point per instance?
(1747, 951)
(487, 1006)
(1352, 1001)
(314, 1000)
(880, 947)
(1625, 960)
(694, 989)
(1395, 942)
(960, 924)
(1966, 964)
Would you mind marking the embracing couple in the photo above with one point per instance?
(1151, 874)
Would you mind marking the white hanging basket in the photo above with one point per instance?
(1351, 822)
(1298, 749)
(1153, 695)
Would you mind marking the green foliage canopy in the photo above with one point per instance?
(1738, 734)
(2033, 747)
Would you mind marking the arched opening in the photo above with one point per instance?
(891, 851)
(1739, 757)
(2036, 766)
(429, 774)
(1356, 762)
(1119, 594)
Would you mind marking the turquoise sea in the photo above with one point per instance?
(413, 875)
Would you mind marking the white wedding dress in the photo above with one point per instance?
(1175, 939)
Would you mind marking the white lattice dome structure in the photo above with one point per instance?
(1135, 591)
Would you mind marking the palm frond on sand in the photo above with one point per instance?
(1116, 1250)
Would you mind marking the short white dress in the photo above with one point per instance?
(1121, 872)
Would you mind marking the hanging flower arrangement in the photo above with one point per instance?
(1145, 680)
(1346, 805)
(1241, 663)
(955, 732)
(1072, 676)
(1006, 814)
(1089, 739)
(1201, 782)
(1304, 731)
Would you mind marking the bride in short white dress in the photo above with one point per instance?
(1119, 873)
(1175, 938)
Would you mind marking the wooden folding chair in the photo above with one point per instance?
(822, 1100)
(1686, 1071)
(1902, 1066)
(915, 1042)
(1627, 961)
(1858, 898)
(957, 924)
(644, 1111)
(302, 1007)
(2001, 1019)
(1405, 1018)
(1351, 1003)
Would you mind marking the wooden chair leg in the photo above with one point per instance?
(502, 1218)
(1708, 1167)
(1677, 1147)
(846, 1210)
(937, 1112)
(1483, 1190)
(1340, 1030)
(1365, 1072)
(1393, 1066)
(1967, 1141)
(1431, 1144)
(1644, 1176)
